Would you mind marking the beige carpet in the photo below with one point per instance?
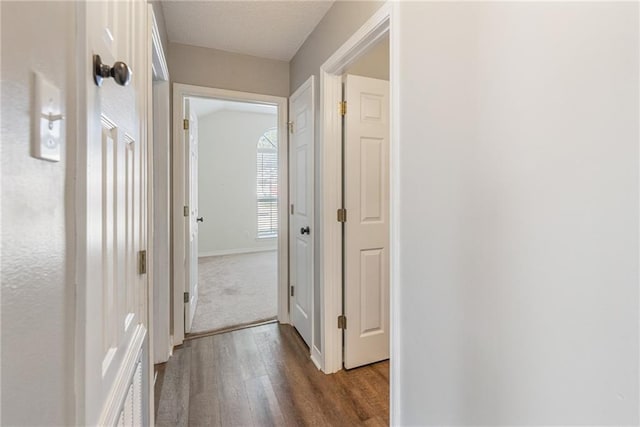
(235, 290)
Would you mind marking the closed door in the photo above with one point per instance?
(111, 386)
(366, 231)
(301, 232)
(191, 225)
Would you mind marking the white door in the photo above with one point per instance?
(112, 383)
(366, 231)
(301, 232)
(192, 224)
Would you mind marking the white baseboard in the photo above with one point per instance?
(316, 357)
(235, 251)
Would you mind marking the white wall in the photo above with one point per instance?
(37, 258)
(518, 214)
(227, 181)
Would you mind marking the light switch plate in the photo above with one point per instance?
(47, 120)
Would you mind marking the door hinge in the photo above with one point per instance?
(185, 211)
(342, 108)
(292, 209)
(342, 322)
(142, 262)
(185, 124)
(342, 215)
(186, 297)
(292, 293)
(290, 124)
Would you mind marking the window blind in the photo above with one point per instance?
(267, 186)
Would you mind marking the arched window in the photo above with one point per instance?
(267, 184)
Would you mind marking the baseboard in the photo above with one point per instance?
(315, 358)
(235, 251)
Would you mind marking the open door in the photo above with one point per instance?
(112, 382)
(191, 137)
(366, 231)
(301, 129)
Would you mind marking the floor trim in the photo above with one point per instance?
(236, 251)
(197, 335)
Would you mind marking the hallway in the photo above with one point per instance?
(263, 376)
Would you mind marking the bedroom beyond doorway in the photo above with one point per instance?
(237, 191)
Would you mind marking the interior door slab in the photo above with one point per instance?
(301, 232)
(366, 232)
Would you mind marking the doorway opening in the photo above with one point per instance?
(365, 200)
(230, 179)
(357, 181)
(237, 213)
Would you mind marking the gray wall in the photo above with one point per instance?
(374, 63)
(518, 214)
(341, 21)
(225, 70)
(37, 262)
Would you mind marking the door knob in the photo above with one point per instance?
(200, 219)
(120, 72)
(305, 230)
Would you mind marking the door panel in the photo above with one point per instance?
(192, 223)
(371, 185)
(301, 110)
(366, 232)
(302, 297)
(113, 292)
(371, 295)
(301, 154)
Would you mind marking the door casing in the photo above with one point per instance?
(330, 172)
(159, 221)
(181, 91)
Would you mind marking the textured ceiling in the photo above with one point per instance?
(264, 28)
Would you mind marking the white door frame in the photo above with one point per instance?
(180, 91)
(159, 190)
(379, 25)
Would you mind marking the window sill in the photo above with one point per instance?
(270, 237)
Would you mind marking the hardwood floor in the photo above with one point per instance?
(263, 376)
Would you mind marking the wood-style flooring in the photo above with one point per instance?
(263, 376)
